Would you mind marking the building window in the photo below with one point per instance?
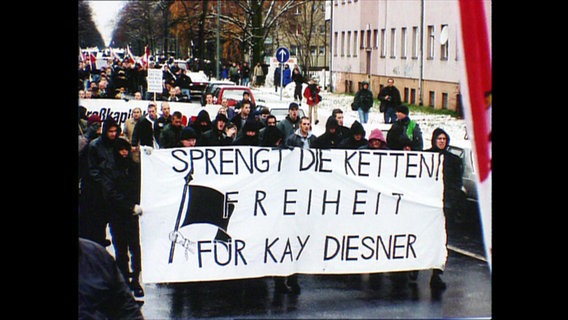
(444, 101)
(321, 50)
(342, 43)
(368, 42)
(430, 42)
(335, 37)
(406, 93)
(355, 50)
(432, 99)
(313, 50)
(415, 42)
(403, 43)
(362, 40)
(376, 38)
(393, 43)
(444, 48)
(383, 43)
(348, 44)
(412, 96)
(293, 50)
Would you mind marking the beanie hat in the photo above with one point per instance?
(377, 134)
(121, 144)
(293, 105)
(188, 133)
(403, 109)
(221, 117)
(331, 123)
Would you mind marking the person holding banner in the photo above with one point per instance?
(329, 139)
(303, 137)
(356, 138)
(170, 136)
(216, 136)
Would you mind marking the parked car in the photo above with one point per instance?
(233, 94)
(199, 81)
(281, 113)
(211, 86)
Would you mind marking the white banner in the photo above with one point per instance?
(121, 110)
(242, 212)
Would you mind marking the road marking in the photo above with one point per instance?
(467, 253)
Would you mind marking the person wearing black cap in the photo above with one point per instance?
(246, 97)
(356, 138)
(216, 136)
(292, 122)
(404, 128)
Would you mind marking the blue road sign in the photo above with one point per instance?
(282, 54)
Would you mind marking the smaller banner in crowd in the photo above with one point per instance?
(217, 213)
(120, 110)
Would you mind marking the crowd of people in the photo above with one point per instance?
(109, 158)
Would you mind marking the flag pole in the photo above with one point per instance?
(187, 179)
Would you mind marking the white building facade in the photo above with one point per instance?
(415, 42)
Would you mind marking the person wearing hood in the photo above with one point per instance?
(202, 123)
(356, 138)
(302, 137)
(216, 136)
(404, 126)
(454, 197)
(188, 137)
(363, 101)
(249, 135)
(376, 140)
(94, 209)
(330, 138)
(271, 136)
(124, 198)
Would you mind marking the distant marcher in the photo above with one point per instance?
(277, 78)
(311, 93)
(258, 75)
(299, 81)
(389, 96)
(363, 101)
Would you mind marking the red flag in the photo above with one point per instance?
(93, 61)
(130, 55)
(146, 56)
(476, 84)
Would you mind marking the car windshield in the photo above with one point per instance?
(234, 94)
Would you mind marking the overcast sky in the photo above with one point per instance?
(105, 15)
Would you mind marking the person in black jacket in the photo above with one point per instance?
(94, 210)
(404, 130)
(363, 101)
(299, 81)
(356, 138)
(329, 139)
(123, 196)
(103, 292)
(144, 133)
(216, 135)
(390, 100)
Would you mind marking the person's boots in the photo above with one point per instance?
(136, 287)
(436, 281)
(280, 285)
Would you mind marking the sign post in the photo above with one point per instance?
(282, 55)
(154, 80)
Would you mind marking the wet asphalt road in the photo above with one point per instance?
(371, 296)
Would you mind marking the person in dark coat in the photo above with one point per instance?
(103, 291)
(144, 133)
(94, 210)
(342, 131)
(389, 96)
(170, 136)
(454, 196)
(202, 123)
(249, 136)
(277, 78)
(329, 139)
(124, 198)
(356, 138)
(404, 127)
(363, 101)
(216, 136)
(271, 136)
(299, 81)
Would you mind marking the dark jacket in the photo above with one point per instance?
(271, 136)
(364, 99)
(202, 116)
(124, 177)
(287, 126)
(350, 142)
(328, 140)
(394, 97)
(297, 140)
(103, 292)
(243, 139)
(170, 136)
(398, 132)
(144, 133)
(453, 172)
(214, 137)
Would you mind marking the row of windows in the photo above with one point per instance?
(403, 41)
